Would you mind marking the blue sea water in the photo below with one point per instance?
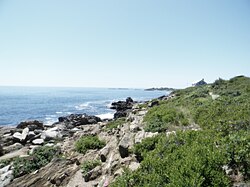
(47, 104)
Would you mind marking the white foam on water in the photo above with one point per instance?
(106, 116)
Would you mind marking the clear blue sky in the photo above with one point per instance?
(122, 43)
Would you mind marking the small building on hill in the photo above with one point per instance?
(199, 83)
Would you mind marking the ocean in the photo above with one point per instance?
(47, 104)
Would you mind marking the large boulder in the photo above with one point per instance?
(124, 145)
(32, 125)
(74, 120)
(122, 107)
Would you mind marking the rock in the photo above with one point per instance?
(25, 134)
(74, 120)
(51, 134)
(150, 134)
(38, 141)
(4, 169)
(124, 145)
(93, 174)
(134, 166)
(1, 150)
(104, 154)
(129, 100)
(120, 114)
(134, 127)
(118, 172)
(6, 178)
(122, 107)
(153, 103)
(17, 137)
(139, 136)
(32, 125)
(13, 147)
(31, 135)
(57, 173)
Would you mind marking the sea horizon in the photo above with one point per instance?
(46, 104)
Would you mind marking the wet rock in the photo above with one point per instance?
(32, 125)
(122, 107)
(74, 120)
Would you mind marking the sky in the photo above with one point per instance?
(122, 43)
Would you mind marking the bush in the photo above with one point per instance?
(159, 119)
(114, 124)
(89, 165)
(39, 158)
(188, 158)
(88, 142)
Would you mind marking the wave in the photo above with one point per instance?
(106, 116)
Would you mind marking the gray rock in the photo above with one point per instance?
(51, 134)
(17, 137)
(139, 136)
(4, 169)
(124, 145)
(25, 134)
(13, 147)
(38, 141)
(93, 174)
(6, 178)
(134, 128)
(104, 154)
(134, 166)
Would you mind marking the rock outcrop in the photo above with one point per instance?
(74, 120)
(32, 125)
(122, 107)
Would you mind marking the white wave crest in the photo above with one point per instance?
(106, 116)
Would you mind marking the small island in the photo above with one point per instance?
(160, 89)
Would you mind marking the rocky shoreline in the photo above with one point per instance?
(20, 141)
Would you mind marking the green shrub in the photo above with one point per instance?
(4, 163)
(148, 144)
(188, 158)
(89, 165)
(88, 142)
(115, 123)
(159, 119)
(39, 158)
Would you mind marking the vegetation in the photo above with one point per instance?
(88, 142)
(114, 124)
(89, 165)
(196, 158)
(39, 158)
(4, 163)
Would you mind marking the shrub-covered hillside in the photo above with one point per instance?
(216, 155)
